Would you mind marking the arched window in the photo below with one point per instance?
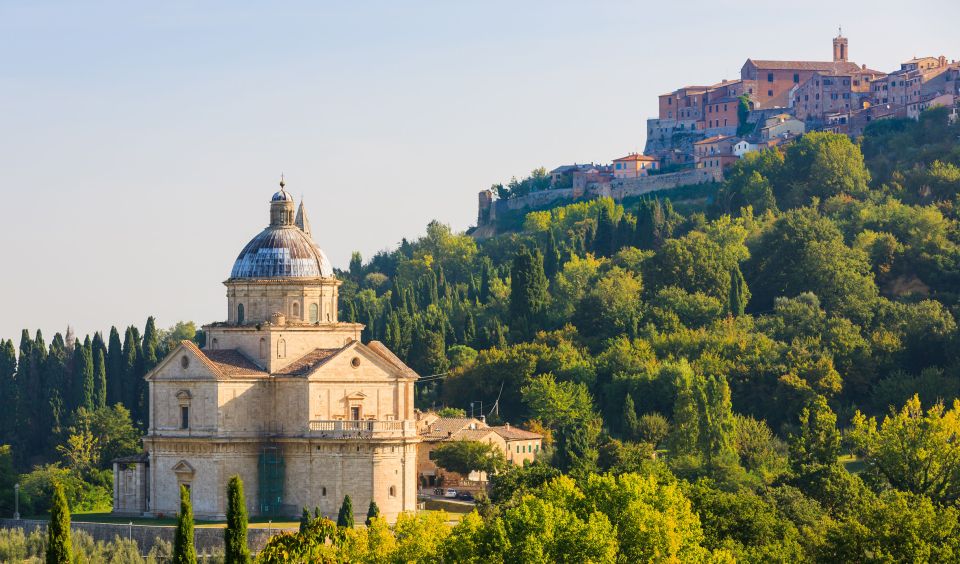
(240, 314)
(314, 313)
(295, 310)
(263, 348)
(281, 348)
(213, 344)
(393, 491)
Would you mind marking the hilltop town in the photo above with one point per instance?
(702, 130)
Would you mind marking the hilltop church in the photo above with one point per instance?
(283, 394)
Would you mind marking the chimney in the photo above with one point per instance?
(507, 425)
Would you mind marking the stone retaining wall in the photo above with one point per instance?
(206, 539)
(618, 189)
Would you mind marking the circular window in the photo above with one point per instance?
(355, 362)
(184, 362)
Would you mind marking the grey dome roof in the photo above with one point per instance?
(282, 196)
(281, 252)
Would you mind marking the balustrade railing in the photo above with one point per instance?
(361, 428)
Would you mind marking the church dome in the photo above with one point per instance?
(285, 249)
(281, 252)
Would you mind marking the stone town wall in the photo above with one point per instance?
(616, 189)
(206, 539)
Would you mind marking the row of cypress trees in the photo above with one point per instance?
(44, 384)
(236, 551)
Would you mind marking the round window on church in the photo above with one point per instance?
(184, 362)
(355, 362)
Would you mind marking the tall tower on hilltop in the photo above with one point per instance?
(840, 53)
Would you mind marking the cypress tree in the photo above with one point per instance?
(624, 234)
(469, 329)
(605, 238)
(131, 389)
(551, 256)
(57, 387)
(575, 452)
(236, 550)
(345, 517)
(738, 292)
(685, 438)
(372, 512)
(183, 549)
(650, 225)
(25, 379)
(151, 344)
(718, 425)
(304, 519)
(59, 549)
(528, 289)
(83, 377)
(114, 368)
(631, 423)
(99, 379)
(485, 280)
(8, 389)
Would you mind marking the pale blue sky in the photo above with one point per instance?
(140, 142)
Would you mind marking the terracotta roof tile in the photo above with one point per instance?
(513, 433)
(231, 362)
(470, 435)
(306, 363)
(713, 139)
(446, 426)
(635, 157)
(831, 66)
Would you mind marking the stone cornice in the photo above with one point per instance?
(319, 281)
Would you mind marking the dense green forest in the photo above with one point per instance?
(766, 374)
(783, 353)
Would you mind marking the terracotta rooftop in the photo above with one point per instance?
(838, 67)
(306, 363)
(231, 362)
(470, 434)
(446, 426)
(713, 139)
(513, 433)
(635, 157)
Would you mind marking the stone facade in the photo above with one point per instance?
(282, 394)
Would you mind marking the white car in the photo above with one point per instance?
(450, 493)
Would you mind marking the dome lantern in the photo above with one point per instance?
(281, 207)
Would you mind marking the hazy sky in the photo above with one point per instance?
(140, 142)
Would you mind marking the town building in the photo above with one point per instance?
(634, 165)
(519, 447)
(577, 176)
(782, 125)
(282, 393)
(771, 84)
(715, 154)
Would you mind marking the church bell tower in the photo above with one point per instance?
(840, 53)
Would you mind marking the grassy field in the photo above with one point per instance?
(255, 523)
